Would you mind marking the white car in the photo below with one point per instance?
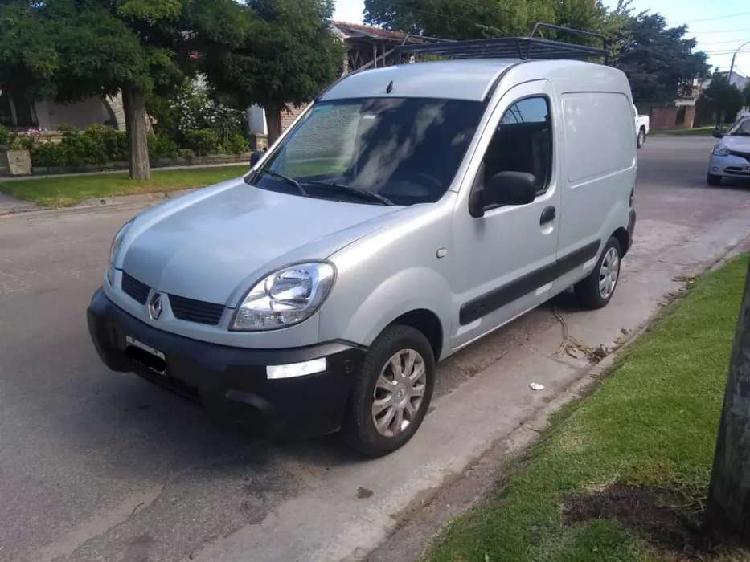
(642, 128)
(730, 157)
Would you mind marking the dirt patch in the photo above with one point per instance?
(669, 519)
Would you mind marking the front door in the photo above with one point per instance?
(504, 262)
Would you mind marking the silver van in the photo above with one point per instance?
(409, 211)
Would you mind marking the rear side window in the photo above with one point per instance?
(523, 142)
(599, 135)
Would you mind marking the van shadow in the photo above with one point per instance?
(159, 429)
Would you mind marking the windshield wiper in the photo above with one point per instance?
(287, 179)
(355, 191)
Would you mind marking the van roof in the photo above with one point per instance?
(471, 79)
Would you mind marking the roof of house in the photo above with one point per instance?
(369, 32)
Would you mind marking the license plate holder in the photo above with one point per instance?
(148, 356)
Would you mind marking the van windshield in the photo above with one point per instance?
(397, 151)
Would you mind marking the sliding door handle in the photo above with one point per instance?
(548, 215)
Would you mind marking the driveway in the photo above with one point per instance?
(95, 465)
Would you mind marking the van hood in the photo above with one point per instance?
(212, 244)
(737, 143)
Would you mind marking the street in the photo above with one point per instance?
(97, 465)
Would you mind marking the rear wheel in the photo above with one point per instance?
(712, 179)
(393, 391)
(596, 290)
(641, 138)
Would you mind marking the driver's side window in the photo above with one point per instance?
(522, 142)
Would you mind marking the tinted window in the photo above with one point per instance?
(523, 142)
(405, 149)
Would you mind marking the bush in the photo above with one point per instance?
(48, 154)
(202, 141)
(114, 143)
(235, 144)
(161, 146)
(4, 136)
(97, 145)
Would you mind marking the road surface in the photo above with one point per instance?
(95, 465)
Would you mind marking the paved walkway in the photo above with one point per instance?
(10, 204)
(181, 167)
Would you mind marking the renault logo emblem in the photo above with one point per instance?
(155, 306)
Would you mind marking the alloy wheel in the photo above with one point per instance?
(609, 273)
(398, 392)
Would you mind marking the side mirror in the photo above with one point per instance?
(718, 134)
(504, 188)
(256, 157)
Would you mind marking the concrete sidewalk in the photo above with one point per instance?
(10, 204)
(72, 174)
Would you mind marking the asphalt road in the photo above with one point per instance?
(95, 465)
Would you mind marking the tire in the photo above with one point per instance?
(640, 140)
(713, 180)
(591, 292)
(401, 344)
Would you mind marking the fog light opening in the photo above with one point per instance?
(294, 370)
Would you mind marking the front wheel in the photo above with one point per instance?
(713, 179)
(596, 290)
(392, 393)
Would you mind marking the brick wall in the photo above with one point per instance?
(289, 115)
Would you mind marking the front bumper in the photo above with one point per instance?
(231, 382)
(730, 166)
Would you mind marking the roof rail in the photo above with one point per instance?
(526, 48)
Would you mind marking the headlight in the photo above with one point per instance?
(721, 150)
(117, 241)
(286, 297)
(114, 249)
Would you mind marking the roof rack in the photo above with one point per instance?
(526, 48)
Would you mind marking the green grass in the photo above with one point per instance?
(70, 190)
(651, 422)
(698, 131)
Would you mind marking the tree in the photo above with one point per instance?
(72, 49)
(469, 19)
(658, 60)
(721, 98)
(746, 94)
(728, 509)
(288, 57)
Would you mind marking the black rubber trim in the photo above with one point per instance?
(232, 382)
(497, 298)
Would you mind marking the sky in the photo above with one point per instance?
(720, 26)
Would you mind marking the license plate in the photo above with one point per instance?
(147, 355)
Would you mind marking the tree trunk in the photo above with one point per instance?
(273, 120)
(134, 102)
(728, 509)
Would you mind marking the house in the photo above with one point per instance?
(18, 112)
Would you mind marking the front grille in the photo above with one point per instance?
(737, 171)
(745, 155)
(196, 311)
(134, 289)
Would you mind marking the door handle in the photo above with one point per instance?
(548, 215)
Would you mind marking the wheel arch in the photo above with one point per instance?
(623, 237)
(428, 323)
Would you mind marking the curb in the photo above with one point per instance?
(109, 204)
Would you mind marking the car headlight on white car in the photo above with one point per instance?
(721, 150)
(114, 249)
(285, 297)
